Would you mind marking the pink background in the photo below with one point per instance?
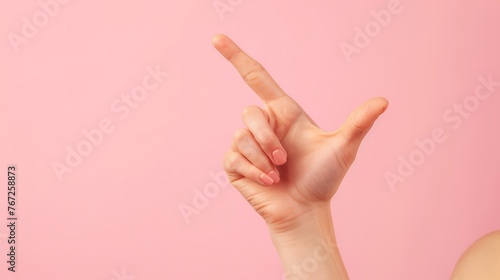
(116, 215)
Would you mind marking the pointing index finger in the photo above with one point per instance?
(250, 70)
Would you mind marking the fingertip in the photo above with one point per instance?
(279, 157)
(363, 117)
(222, 42)
(385, 107)
(379, 102)
(216, 39)
(274, 175)
(266, 179)
(377, 105)
(385, 102)
(225, 45)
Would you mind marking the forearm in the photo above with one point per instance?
(309, 250)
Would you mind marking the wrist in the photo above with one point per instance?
(308, 247)
(314, 218)
(306, 229)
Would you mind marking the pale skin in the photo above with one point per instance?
(289, 169)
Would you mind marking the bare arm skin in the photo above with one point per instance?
(481, 261)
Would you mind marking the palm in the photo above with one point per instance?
(313, 171)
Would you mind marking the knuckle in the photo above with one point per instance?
(354, 123)
(265, 139)
(231, 161)
(241, 135)
(264, 164)
(250, 110)
(255, 74)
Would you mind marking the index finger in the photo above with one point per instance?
(250, 70)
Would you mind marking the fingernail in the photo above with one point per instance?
(279, 157)
(274, 175)
(266, 179)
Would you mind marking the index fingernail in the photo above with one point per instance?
(279, 157)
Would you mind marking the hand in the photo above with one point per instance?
(283, 163)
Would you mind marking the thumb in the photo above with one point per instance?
(362, 119)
